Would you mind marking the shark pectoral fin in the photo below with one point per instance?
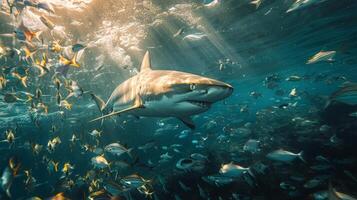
(137, 105)
(188, 122)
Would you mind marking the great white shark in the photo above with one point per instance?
(163, 93)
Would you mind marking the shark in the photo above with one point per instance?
(163, 93)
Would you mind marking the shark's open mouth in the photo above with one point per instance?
(203, 104)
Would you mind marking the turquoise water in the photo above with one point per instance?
(64, 52)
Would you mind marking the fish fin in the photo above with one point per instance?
(23, 81)
(56, 166)
(137, 104)
(300, 156)
(29, 35)
(69, 95)
(129, 153)
(146, 63)
(256, 3)
(37, 35)
(188, 122)
(86, 92)
(250, 172)
(29, 54)
(100, 103)
(8, 193)
(74, 61)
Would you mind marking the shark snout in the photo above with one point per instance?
(211, 93)
(219, 92)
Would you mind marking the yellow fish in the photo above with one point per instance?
(22, 79)
(69, 62)
(14, 165)
(42, 65)
(2, 82)
(65, 104)
(43, 106)
(30, 35)
(59, 196)
(55, 47)
(29, 52)
(67, 167)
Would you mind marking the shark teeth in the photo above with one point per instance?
(203, 104)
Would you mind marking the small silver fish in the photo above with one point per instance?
(117, 149)
(284, 156)
(134, 181)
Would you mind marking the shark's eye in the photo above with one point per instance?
(192, 86)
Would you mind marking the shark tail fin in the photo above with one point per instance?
(100, 103)
(137, 104)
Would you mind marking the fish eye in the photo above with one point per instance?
(192, 86)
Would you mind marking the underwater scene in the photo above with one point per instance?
(178, 99)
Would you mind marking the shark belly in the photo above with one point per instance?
(168, 107)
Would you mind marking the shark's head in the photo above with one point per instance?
(198, 93)
(179, 93)
(184, 94)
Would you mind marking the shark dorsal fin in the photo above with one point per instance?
(146, 63)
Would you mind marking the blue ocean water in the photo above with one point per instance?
(287, 130)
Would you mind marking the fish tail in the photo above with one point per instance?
(37, 35)
(29, 35)
(99, 102)
(56, 166)
(250, 172)
(74, 61)
(29, 98)
(129, 152)
(300, 155)
(23, 81)
(8, 193)
(29, 54)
